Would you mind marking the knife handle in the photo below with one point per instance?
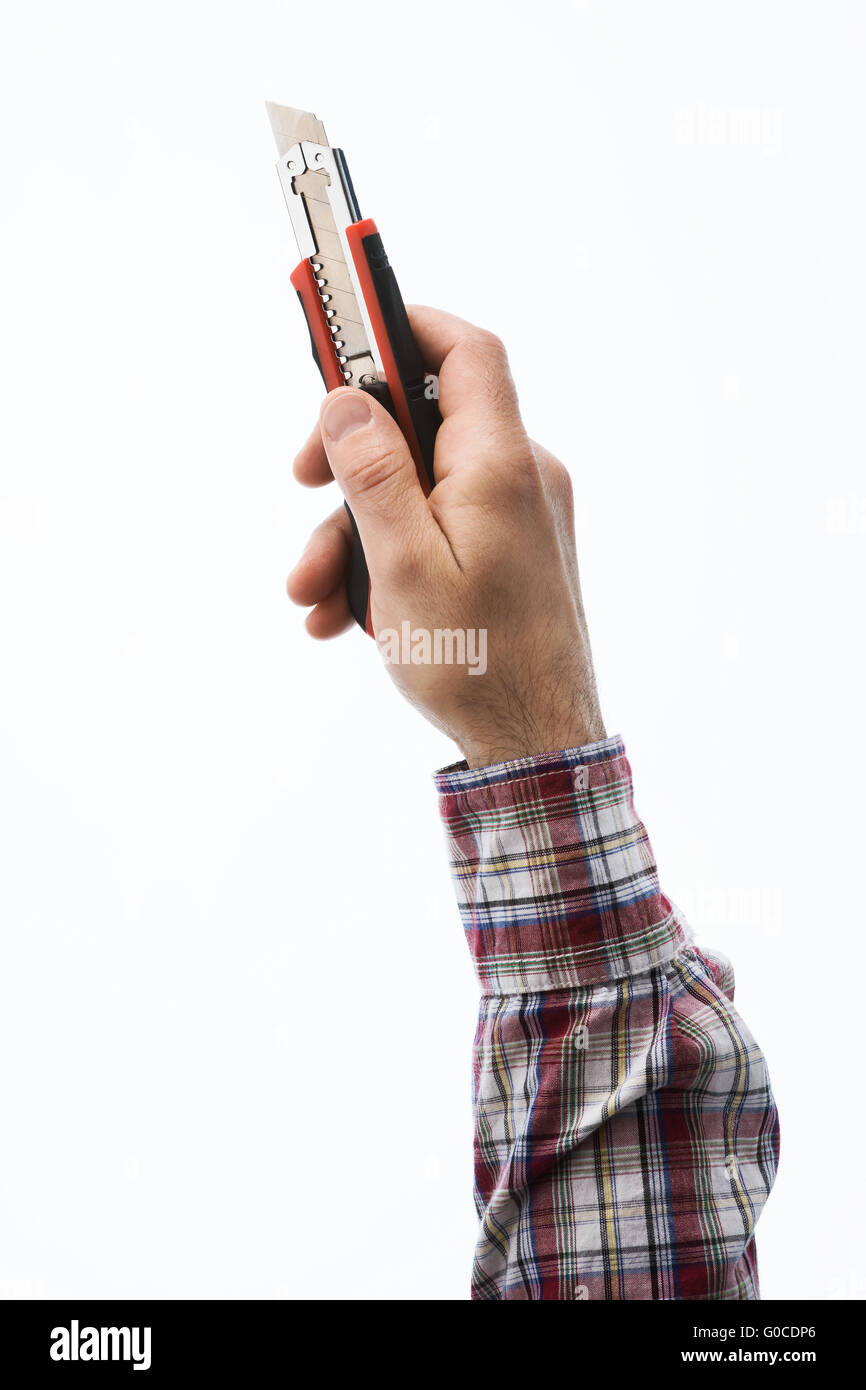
(406, 392)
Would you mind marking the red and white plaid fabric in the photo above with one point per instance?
(626, 1137)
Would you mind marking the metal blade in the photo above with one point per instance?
(326, 215)
(338, 292)
(291, 126)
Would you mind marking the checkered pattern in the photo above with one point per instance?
(626, 1137)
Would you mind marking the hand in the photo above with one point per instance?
(491, 550)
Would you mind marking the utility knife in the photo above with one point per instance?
(359, 330)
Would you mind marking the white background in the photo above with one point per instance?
(236, 1008)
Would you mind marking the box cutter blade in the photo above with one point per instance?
(359, 330)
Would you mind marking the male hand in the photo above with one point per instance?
(492, 548)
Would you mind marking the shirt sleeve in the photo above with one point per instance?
(626, 1136)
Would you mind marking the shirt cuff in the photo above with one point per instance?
(555, 876)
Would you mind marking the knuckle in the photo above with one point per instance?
(486, 352)
(491, 344)
(523, 478)
(493, 372)
(371, 468)
(561, 484)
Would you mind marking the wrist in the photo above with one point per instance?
(505, 742)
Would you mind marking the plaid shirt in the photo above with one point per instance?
(626, 1136)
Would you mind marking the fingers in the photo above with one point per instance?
(476, 394)
(321, 569)
(319, 578)
(330, 617)
(359, 444)
(311, 465)
(371, 461)
(474, 376)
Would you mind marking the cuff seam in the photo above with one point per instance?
(459, 777)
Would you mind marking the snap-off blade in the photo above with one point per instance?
(291, 126)
(324, 202)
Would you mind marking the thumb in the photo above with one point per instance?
(371, 461)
